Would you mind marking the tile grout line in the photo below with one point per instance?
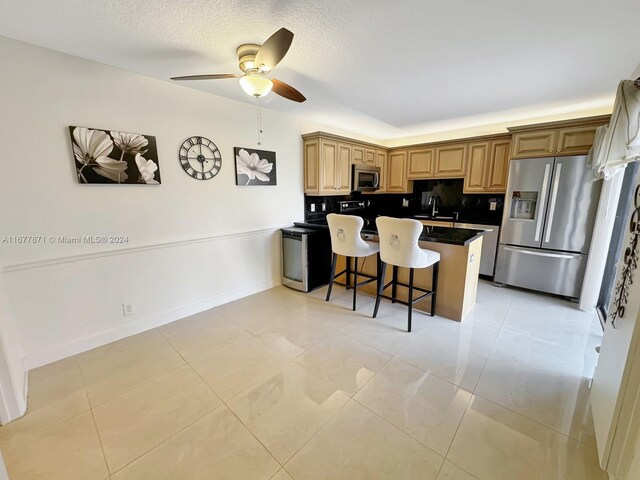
(93, 417)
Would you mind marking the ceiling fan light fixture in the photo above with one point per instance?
(256, 85)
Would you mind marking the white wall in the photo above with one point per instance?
(192, 244)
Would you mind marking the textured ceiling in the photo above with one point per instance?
(380, 68)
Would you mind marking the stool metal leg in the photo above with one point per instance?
(383, 271)
(333, 274)
(355, 281)
(410, 299)
(394, 285)
(348, 281)
(434, 287)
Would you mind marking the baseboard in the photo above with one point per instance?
(74, 347)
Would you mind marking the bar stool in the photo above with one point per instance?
(346, 240)
(399, 248)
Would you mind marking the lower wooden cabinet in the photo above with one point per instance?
(450, 161)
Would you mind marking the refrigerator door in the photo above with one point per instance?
(573, 203)
(560, 273)
(526, 201)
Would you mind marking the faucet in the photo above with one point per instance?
(433, 203)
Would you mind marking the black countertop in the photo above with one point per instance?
(451, 236)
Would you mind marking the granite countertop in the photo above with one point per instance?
(451, 236)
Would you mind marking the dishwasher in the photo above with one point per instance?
(489, 245)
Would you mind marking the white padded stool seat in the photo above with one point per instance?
(346, 240)
(399, 248)
(345, 236)
(399, 243)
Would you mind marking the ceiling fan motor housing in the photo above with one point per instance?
(246, 56)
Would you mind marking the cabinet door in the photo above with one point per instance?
(450, 161)
(436, 223)
(328, 166)
(476, 178)
(498, 171)
(397, 172)
(534, 144)
(343, 170)
(358, 154)
(311, 166)
(575, 140)
(381, 161)
(370, 156)
(420, 163)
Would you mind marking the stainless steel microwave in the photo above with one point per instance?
(365, 178)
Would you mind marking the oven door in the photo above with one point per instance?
(366, 180)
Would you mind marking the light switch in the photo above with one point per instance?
(313, 207)
(493, 205)
(323, 206)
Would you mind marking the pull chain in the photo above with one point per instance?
(259, 122)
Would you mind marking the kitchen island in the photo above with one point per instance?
(459, 250)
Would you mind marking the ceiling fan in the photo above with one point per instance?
(256, 61)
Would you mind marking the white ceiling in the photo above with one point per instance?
(382, 68)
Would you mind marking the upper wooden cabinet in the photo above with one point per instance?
(358, 154)
(575, 140)
(420, 163)
(397, 181)
(381, 161)
(488, 166)
(534, 144)
(498, 166)
(570, 137)
(327, 167)
(476, 179)
(450, 160)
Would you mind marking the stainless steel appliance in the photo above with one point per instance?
(365, 178)
(548, 219)
(489, 245)
(302, 270)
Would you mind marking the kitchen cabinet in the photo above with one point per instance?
(397, 181)
(436, 223)
(327, 167)
(450, 160)
(498, 171)
(381, 161)
(567, 137)
(358, 154)
(420, 163)
(575, 140)
(534, 144)
(488, 167)
(476, 179)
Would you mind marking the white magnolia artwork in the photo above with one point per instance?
(255, 167)
(103, 156)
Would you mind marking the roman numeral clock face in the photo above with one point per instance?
(200, 158)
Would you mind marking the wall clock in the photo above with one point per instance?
(200, 158)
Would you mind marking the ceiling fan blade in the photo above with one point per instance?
(274, 49)
(212, 76)
(287, 91)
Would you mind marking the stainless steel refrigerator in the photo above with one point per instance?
(550, 209)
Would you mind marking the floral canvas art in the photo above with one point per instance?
(106, 156)
(255, 167)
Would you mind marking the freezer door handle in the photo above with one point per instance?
(554, 198)
(543, 200)
(541, 254)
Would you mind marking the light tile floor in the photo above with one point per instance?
(282, 385)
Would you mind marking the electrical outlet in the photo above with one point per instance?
(313, 207)
(127, 309)
(323, 206)
(405, 202)
(493, 205)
